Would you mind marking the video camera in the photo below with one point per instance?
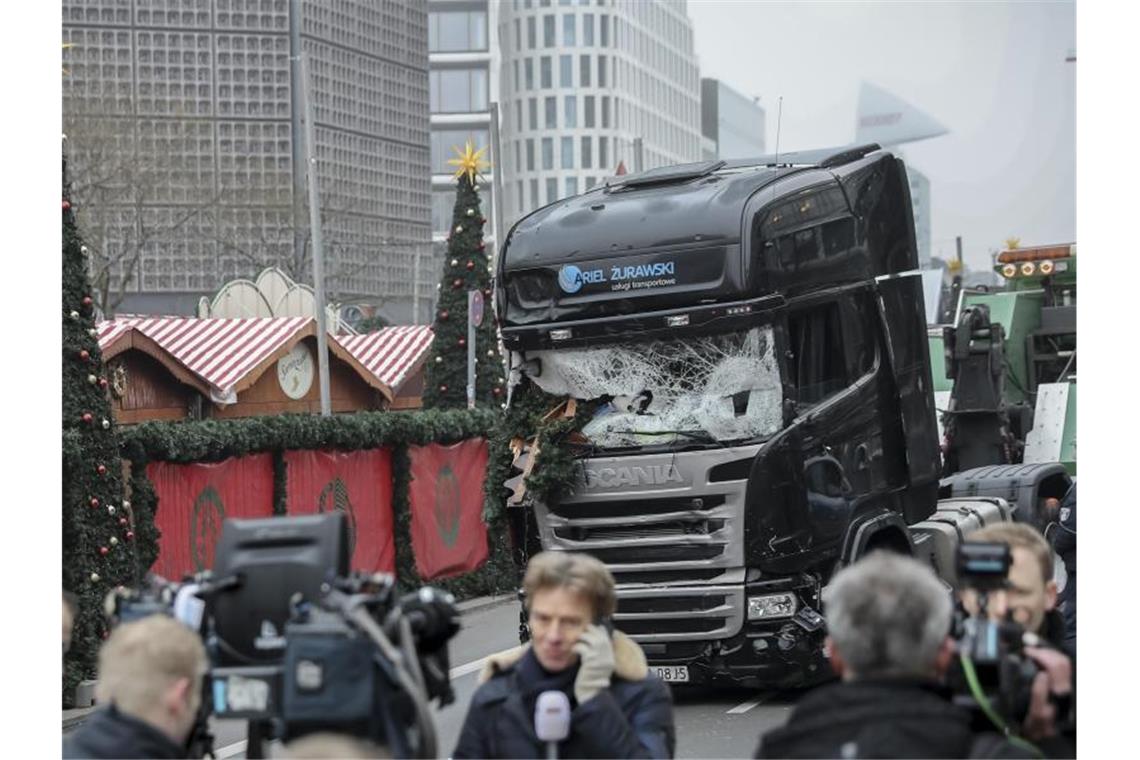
(297, 644)
(994, 676)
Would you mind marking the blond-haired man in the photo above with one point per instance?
(618, 709)
(150, 686)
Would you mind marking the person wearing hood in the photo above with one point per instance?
(617, 708)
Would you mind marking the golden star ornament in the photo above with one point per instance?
(469, 161)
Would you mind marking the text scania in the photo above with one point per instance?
(613, 477)
(659, 269)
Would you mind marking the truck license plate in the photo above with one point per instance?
(672, 673)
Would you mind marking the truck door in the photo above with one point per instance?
(831, 361)
(903, 319)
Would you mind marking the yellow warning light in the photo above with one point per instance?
(1045, 267)
(1027, 268)
(1009, 271)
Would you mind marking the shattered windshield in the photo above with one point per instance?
(722, 387)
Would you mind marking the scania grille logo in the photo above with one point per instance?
(617, 477)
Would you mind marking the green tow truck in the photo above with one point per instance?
(1005, 373)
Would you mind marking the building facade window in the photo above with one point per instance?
(454, 31)
(605, 112)
(604, 30)
(601, 71)
(551, 190)
(566, 71)
(548, 31)
(442, 141)
(518, 35)
(571, 111)
(569, 27)
(518, 116)
(528, 73)
(535, 202)
(589, 111)
(603, 159)
(532, 107)
(548, 153)
(584, 70)
(571, 186)
(530, 154)
(458, 90)
(530, 33)
(587, 152)
(567, 152)
(588, 29)
(551, 104)
(545, 74)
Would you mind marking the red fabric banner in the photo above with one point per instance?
(360, 484)
(446, 496)
(194, 499)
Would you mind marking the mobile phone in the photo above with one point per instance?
(607, 622)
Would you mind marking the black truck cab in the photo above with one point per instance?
(757, 332)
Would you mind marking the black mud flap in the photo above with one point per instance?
(902, 309)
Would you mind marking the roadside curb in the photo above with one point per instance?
(485, 602)
(73, 718)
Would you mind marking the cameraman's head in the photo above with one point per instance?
(152, 669)
(565, 593)
(888, 616)
(1031, 592)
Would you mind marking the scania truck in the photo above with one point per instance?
(746, 343)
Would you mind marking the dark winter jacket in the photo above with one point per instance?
(1063, 536)
(632, 718)
(109, 733)
(879, 719)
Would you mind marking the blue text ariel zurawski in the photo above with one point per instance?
(659, 269)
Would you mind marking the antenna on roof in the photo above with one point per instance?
(779, 117)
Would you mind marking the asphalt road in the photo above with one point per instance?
(710, 723)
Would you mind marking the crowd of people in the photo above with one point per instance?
(889, 642)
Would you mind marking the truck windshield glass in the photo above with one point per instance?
(722, 388)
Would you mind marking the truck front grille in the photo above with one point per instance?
(661, 526)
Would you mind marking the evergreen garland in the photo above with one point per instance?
(99, 541)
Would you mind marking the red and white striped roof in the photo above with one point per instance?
(222, 352)
(391, 352)
(219, 351)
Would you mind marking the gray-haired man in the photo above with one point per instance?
(888, 621)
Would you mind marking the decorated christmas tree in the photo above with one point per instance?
(467, 267)
(99, 546)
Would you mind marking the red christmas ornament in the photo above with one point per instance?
(87, 417)
(457, 283)
(470, 265)
(87, 301)
(84, 355)
(497, 391)
(487, 292)
(443, 389)
(94, 503)
(101, 470)
(66, 204)
(103, 380)
(130, 535)
(481, 245)
(104, 551)
(462, 342)
(123, 521)
(443, 315)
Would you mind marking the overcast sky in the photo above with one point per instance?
(993, 73)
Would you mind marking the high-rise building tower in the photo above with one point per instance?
(589, 86)
(462, 40)
(184, 121)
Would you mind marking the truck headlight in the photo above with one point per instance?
(771, 606)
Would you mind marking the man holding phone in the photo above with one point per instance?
(616, 708)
